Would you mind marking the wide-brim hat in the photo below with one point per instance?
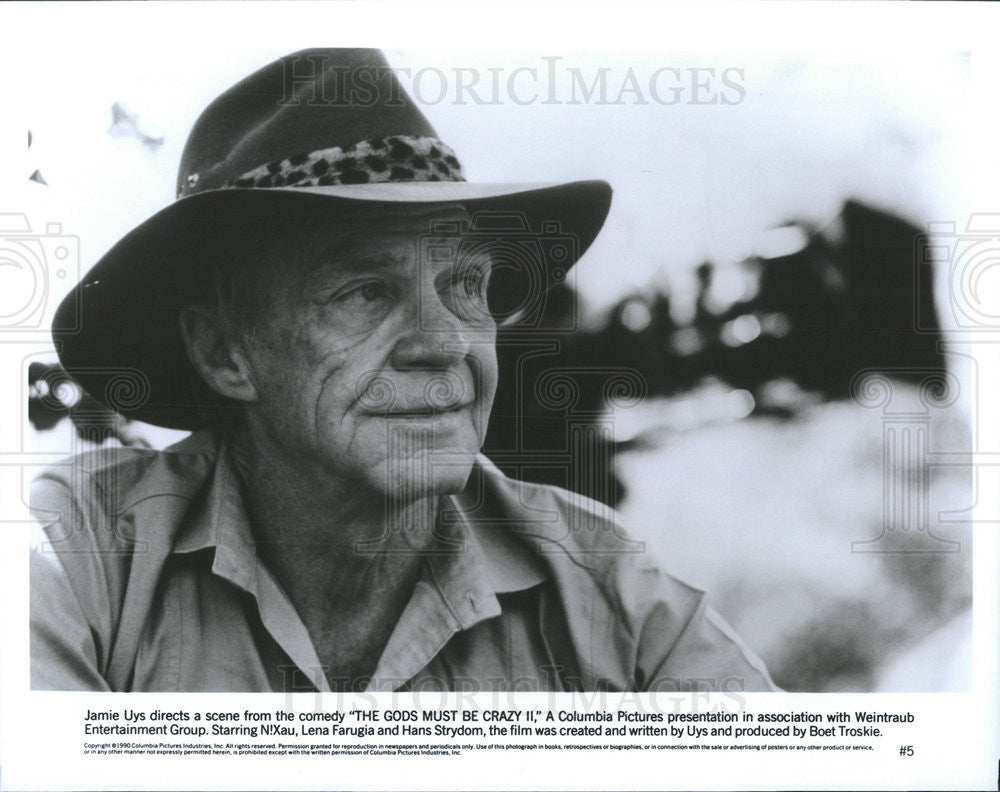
(320, 129)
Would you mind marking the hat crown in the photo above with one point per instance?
(310, 100)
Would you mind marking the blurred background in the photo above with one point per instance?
(747, 363)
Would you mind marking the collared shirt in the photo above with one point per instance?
(145, 576)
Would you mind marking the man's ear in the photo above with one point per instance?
(221, 363)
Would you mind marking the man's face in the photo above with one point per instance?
(375, 362)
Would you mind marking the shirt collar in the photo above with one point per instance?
(480, 555)
(506, 562)
(219, 520)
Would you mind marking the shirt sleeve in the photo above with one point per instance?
(68, 630)
(63, 649)
(707, 655)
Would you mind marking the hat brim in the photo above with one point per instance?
(117, 332)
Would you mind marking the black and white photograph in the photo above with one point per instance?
(449, 372)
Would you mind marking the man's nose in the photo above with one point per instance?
(436, 338)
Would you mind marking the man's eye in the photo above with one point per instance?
(471, 284)
(474, 283)
(372, 291)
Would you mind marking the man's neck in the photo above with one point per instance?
(347, 557)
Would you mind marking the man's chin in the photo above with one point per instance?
(427, 473)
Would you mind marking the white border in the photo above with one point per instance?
(959, 738)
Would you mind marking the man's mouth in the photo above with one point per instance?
(424, 411)
(439, 395)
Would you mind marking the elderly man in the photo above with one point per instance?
(320, 307)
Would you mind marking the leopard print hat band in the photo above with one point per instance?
(398, 158)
